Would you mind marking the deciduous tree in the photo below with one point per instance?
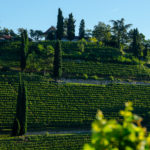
(102, 32)
(119, 30)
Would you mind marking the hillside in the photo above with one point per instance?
(69, 106)
(54, 106)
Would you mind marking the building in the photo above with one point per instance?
(5, 38)
(50, 34)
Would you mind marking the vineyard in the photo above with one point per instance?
(74, 106)
(60, 106)
(74, 69)
(8, 98)
(52, 142)
(71, 106)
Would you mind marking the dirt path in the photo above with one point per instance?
(58, 132)
(105, 82)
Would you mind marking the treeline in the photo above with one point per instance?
(130, 42)
(118, 35)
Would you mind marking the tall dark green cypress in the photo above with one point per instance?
(22, 53)
(82, 29)
(71, 27)
(60, 25)
(20, 123)
(24, 49)
(136, 43)
(145, 52)
(58, 61)
(24, 110)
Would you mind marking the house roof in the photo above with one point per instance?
(52, 28)
(5, 37)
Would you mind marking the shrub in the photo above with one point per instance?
(85, 76)
(95, 77)
(47, 134)
(92, 39)
(111, 78)
(135, 60)
(81, 45)
(111, 135)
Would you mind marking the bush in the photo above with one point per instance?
(111, 135)
(111, 78)
(92, 39)
(95, 77)
(85, 76)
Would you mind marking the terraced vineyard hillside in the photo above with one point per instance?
(74, 69)
(8, 96)
(74, 106)
(63, 106)
(8, 101)
(71, 106)
(94, 61)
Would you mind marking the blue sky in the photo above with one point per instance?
(41, 14)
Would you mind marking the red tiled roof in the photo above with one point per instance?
(6, 36)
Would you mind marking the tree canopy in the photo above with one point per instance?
(119, 31)
(102, 32)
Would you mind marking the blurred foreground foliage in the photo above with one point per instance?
(111, 135)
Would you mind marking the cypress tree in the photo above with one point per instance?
(16, 128)
(136, 43)
(20, 123)
(82, 29)
(24, 49)
(24, 108)
(145, 52)
(60, 25)
(22, 52)
(71, 27)
(58, 61)
(65, 27)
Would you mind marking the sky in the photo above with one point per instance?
(41, 14)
